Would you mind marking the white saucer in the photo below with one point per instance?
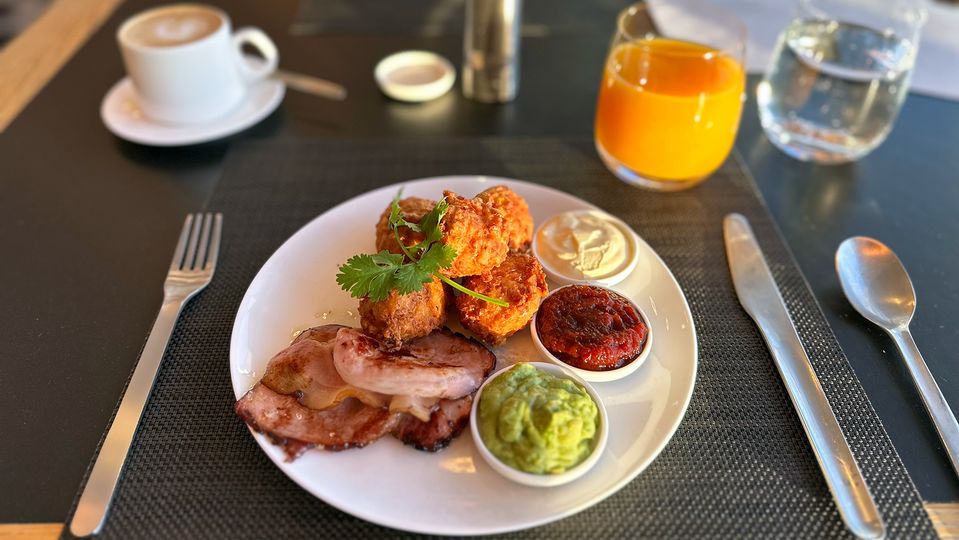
(121, 113)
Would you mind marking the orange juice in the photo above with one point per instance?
(669, 109)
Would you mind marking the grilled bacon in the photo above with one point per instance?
(295, 428)
(304, 402)
(305, 369)
(441, 365)
(446, 422)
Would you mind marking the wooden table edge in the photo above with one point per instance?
(33, 58)
(944, 517)
(30, 531)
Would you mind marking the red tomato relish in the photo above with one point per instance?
(591, 328)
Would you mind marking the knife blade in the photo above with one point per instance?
(759, 295)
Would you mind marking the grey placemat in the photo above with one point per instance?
(738, 466)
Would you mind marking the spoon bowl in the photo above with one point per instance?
(878, 287)
(875, 282)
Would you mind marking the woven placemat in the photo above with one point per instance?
(738, 466)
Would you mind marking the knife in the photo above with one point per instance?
(760, 297)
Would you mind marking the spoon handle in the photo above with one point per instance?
(311, 85)
(932, 397)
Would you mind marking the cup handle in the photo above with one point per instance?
(258, 39)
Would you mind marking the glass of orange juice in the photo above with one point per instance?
(670, 101)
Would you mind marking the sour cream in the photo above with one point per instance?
(585, 245)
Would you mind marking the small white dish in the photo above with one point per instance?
(415, 76)
(598, 376)
(632, 239)
(543, 480)
(122, 115)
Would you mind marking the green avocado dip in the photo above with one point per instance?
(537, 422)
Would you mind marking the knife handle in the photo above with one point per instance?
(843, 476)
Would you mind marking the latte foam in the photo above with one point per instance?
(169, 28)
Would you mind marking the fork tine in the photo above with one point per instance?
(191, 247)
(214, 243)
(181, 244)
(204, 240)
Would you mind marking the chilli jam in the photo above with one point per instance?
(591, 328)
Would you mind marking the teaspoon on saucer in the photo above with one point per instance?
(311, 85)
(878, 287)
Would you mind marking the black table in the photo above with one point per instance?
(89, 222)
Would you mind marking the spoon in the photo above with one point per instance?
(311, 85)
(878, 287)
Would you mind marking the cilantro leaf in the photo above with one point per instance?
(436, 257)
(411, 278)
(374, 276)
(370, 275)
(430, 226)
(396, 215)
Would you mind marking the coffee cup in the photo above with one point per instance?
(187, 65)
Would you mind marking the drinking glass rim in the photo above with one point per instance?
(916, 8)
(736, 50)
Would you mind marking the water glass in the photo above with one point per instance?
(670, 101)
(838, 77)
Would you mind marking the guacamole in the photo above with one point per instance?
(537, 422)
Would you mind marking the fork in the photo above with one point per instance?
(191, 270)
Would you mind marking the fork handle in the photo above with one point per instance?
(98, 493)
(932, 398)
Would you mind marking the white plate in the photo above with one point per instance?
(455, 492)
(120, 112)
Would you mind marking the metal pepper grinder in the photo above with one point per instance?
(491, 50)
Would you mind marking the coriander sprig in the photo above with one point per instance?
(375, 275)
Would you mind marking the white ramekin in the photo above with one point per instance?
(597, 376)
(439, 80)
(543, 480)
(564, 279)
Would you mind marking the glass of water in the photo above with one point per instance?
(838, 77)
